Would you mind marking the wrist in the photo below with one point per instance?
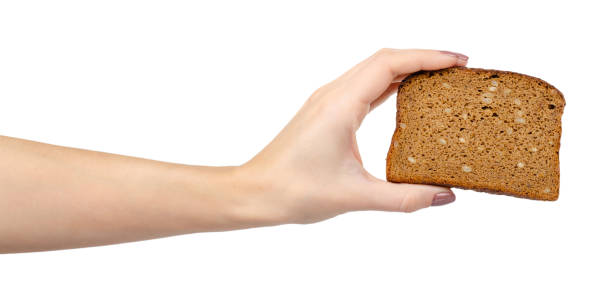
(236, 197)
(256, 198)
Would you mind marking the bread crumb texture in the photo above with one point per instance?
(486, 130)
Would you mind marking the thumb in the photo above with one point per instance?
(387, 196)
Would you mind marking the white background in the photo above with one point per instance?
(213, 82)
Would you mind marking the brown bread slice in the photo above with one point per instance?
(479, 129)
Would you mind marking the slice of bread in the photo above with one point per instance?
(478, 129)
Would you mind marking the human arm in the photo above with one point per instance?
(55, 197)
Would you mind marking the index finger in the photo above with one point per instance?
(370, 80)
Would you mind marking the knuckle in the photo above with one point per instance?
(383, 52)
(410, 203)
(319, 93)
(382, 59)
(406, 204)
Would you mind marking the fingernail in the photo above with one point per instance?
(460, 57)
(443, 198)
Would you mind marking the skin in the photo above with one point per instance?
(54, 197)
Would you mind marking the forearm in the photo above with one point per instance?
(54, 197)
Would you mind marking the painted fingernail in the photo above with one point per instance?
(460, 57)
(443, 198)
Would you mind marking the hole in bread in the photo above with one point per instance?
(486, 107)
(551, 106)
(461, 129)
(495, 76)
(494, 115)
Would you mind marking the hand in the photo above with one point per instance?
(313, 171)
